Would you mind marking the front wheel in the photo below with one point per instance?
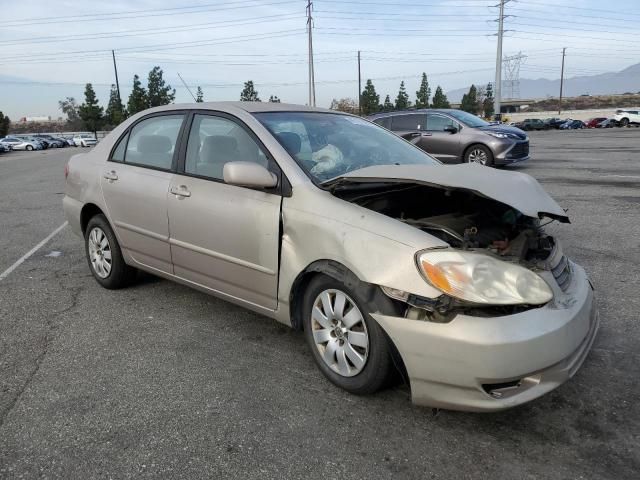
(29, 148)
(624, 122)
(479, 154)
(104, 255)
(347, 344)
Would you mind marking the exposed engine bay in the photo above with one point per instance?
(462, 218)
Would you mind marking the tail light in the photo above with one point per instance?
(66, 170)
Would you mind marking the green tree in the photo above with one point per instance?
(470, 101)
(387, 106)
(424, 93)
(69, 107)
(274, 99)
(138, 98)
(199, 95)
(5, 123)
(114, 113)
(440, 99)
(249, 93)
(158, 93)
(402, 100)
(369, 100)
(347, 105)
(487, 104)
(90, 111)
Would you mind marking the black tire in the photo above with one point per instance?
(121, 275)
(28, 148)
(624, 122)
(378, 367)
(486, 150)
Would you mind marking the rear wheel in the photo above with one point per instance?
(479, 154)
(347, 344)
(29, 148)
(104, 255)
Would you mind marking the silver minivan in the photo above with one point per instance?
(390, 262)
(454, 136)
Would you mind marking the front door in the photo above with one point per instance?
(442, 144)
(224, 237)
(135, 184)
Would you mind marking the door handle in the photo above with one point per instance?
(414, 134)
(180, 191)
(111, 176)
(426, 134)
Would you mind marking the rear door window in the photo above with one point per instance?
(413, 121)
(152, 142)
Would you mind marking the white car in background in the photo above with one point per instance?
(21, 144)
(625, 117)
(84, 140)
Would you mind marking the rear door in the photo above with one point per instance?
(411, 126)
(444, 145)
(135, 184)
(224, 237)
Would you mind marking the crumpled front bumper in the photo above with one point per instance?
(490, 364)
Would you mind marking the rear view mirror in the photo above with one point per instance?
(451, 129)
(248, 174)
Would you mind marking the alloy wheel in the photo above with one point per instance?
(478, 155)
(340, 332)
(100, 252)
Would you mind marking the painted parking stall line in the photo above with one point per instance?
(22, 259)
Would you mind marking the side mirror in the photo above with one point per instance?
(248, 174)
(451, 129)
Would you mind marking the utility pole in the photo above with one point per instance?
(312, 81)
(498, 79)
(561, 81)
(115, 68)
(359, 87)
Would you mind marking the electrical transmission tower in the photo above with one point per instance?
(512, 74)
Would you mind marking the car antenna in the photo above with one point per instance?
(187, 87)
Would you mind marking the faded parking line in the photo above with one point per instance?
(21, 260)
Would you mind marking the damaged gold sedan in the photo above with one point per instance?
(385, 258)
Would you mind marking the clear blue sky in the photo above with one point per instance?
(51, 49)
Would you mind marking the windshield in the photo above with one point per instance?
(329, 145)
(468, 119)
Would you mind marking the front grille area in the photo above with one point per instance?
(520, 150)
(562, 273)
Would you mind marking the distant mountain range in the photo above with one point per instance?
(627, 80)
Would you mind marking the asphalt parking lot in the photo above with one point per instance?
(162, 381)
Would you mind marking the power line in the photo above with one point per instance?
(149, 31)
(147, 15)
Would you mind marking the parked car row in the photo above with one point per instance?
(43, 142)
(622, 118)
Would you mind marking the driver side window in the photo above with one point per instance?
(438, 123)
(215, 141)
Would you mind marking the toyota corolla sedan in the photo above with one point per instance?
(390, 262)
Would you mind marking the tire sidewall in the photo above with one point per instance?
(486, 150)
(120, 273)
(378, 366)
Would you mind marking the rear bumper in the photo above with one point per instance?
(72, 209)
(490, 364)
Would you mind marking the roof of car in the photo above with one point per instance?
(251, 107)
(414, 110)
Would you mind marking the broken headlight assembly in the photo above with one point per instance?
(481, 279)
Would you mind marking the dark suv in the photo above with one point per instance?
(532, 124)
(454, 136)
